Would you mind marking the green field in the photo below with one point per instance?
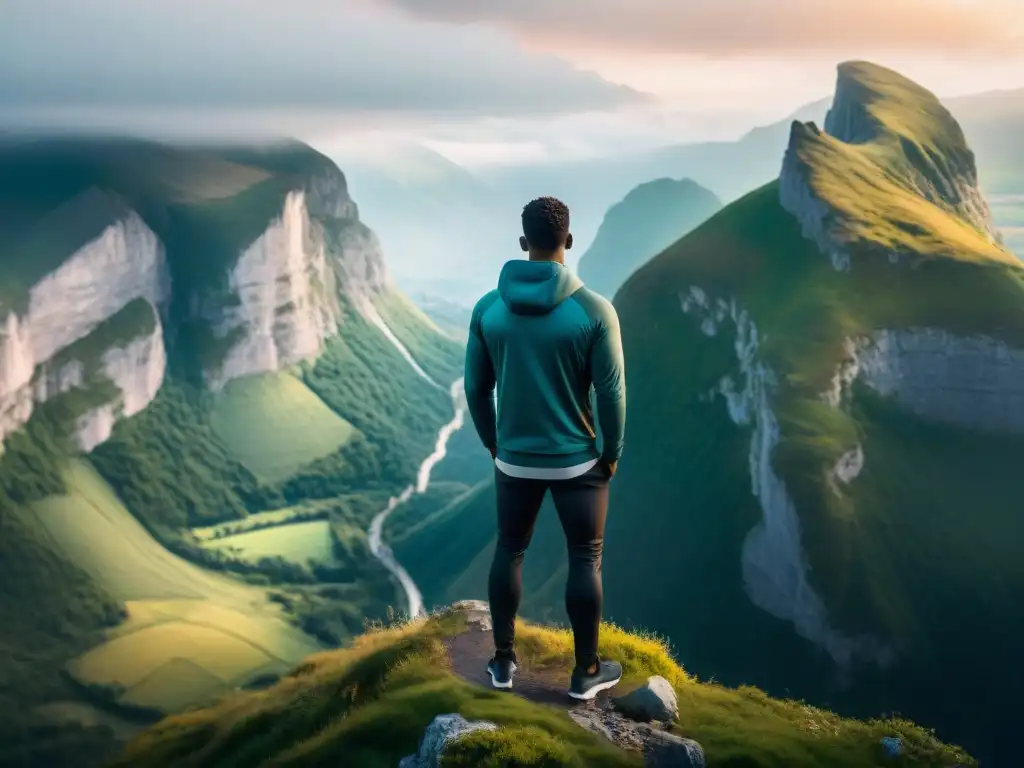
(297, 542)
(275, 425)
(179, 615)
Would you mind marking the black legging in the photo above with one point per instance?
(582, 504)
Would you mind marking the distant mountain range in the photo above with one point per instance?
(431, 212)
(647, 220)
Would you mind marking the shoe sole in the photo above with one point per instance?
(592, 692)
(495, 683)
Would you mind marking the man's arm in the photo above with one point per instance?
(608, 372)
(479, 382)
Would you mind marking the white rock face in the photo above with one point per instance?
(286, 291)
(95, 427)
(137, 370)
(847, 469)
(124, 263)
(973, 382)
(287, 283)
(774, 564)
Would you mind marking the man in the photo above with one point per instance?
(545, 341)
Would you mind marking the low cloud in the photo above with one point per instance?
(743, 27)
(63, 61)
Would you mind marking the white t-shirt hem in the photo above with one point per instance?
(545, 473)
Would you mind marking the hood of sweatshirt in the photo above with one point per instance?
(535, 287)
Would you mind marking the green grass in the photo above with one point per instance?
(364, 379)
(274, 425)
(297, 542)
(370, 702)
(872, 186)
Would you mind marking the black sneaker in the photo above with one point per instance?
(585, 686)
(501, 671)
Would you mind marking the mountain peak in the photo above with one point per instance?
(891, 171)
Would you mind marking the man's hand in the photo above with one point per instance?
(493, 452)
(610, 466)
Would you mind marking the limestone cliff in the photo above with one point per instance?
(268, 279)
(125, 263)
(975, 382)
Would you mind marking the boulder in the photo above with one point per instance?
(655, 700)
(443, 730)
(666, 750)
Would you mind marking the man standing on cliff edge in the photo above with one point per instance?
(545, 342)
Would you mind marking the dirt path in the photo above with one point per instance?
(470, 651)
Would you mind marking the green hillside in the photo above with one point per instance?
(645, 222)
(369, 703)
(118, 610)
(274, 425)
(895, 589)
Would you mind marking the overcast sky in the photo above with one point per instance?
(488, 79)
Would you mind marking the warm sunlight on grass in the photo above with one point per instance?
(371, 701)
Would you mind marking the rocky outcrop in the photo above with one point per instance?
(328, 197)
(975, 382)
(284, 298)
(924, 150)
(939, 167)
(798, 197)
(666, 750)
(137, 370)
(654, 700)
(443, 730)
(286, 286)
(124, 264)
(775, 570)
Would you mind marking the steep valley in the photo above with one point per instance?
(196, 344)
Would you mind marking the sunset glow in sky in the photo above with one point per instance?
(488, 80)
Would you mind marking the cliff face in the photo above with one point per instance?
(891, 165)
(278, 299)
(972, 382)
(938, 166)
(124, 264)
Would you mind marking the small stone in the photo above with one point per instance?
(655, 700)
(666, 750)
(893, 746)
(443, 730)
(591, 721)
(478, 613)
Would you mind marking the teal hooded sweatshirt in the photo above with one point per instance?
(546, 343)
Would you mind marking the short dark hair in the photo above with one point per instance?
(546, 223)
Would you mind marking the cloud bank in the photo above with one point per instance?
(745, 27)
(85, 57)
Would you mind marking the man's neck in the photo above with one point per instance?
(557, 256)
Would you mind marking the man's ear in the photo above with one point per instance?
(568, 241)
(523, 244)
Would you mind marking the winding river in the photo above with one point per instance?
(381, 550)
